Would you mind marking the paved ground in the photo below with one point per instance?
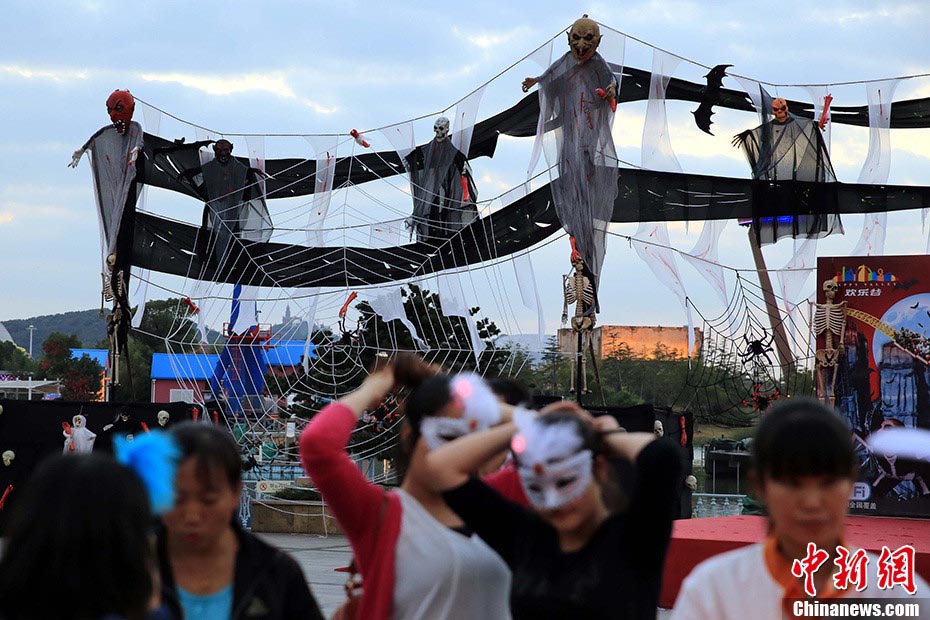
(319, 556)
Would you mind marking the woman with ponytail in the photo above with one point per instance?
(582, 550)
(415, 555)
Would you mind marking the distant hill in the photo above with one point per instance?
(87, 325)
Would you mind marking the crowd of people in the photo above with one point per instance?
(501, 512)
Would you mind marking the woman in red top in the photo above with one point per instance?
(416, 558)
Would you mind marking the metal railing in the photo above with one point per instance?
(716, 505)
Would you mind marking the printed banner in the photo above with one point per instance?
(883, 374)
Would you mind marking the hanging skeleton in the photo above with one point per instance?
(579, 290)
(114, 151)
(829, 321)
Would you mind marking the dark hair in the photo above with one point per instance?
(513, 392)
(79, 545)
(802, 437)
(428, 392)
(213, 447)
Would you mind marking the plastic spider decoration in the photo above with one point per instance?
(759, 348)
(384, 415)
(761, 399)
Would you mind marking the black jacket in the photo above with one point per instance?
(268, 583)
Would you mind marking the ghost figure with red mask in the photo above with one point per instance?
(786, 147)
(120, 106)
(114, 150)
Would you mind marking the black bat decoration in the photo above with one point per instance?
(710, 96)
(915, 306)
(905, 285)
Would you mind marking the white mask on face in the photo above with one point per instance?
(553, 468)
(438, 430)
(480, 411)
(553, 485)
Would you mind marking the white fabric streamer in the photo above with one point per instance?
(529, 292)
(703, 257)
(389, 305)
(661, 261)
(657, 152)
(877, 165)
(452, 300)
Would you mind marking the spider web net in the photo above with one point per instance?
(740, 369)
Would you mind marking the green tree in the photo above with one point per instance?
(15, 361)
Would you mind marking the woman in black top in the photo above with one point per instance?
(575, 554)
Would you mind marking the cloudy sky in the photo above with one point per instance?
(326, 67)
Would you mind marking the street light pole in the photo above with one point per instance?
(31, 329)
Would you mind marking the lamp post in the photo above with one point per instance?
(31, 329)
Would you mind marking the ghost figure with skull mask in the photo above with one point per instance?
(441, 128)
(577, 99)
(780, 109)
(8, 456)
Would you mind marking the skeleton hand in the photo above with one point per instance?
(528, 83)
(76, 158)
(739, 138)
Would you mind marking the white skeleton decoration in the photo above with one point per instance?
(691, 483)
(8, 457)
(829, 321)
(163, 417)
(579, 290)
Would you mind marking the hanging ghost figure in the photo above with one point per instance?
(444, 193)
(114, 150)
(576, 113)
(234, 206)
(78, 438)
(786, 147)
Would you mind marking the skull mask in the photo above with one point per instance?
(120, 106)
(830, 287)
(658, 428)
(780, 110)
(223, 151)
(77, 421)
(583, 39)
(441, 127)
(691, 483)
(8, 457)
(163, 417)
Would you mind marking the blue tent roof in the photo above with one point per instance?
(183, 366)
(200, 366)
(98, 355)
(288, 352)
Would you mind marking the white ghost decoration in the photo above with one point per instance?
(79, 439)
